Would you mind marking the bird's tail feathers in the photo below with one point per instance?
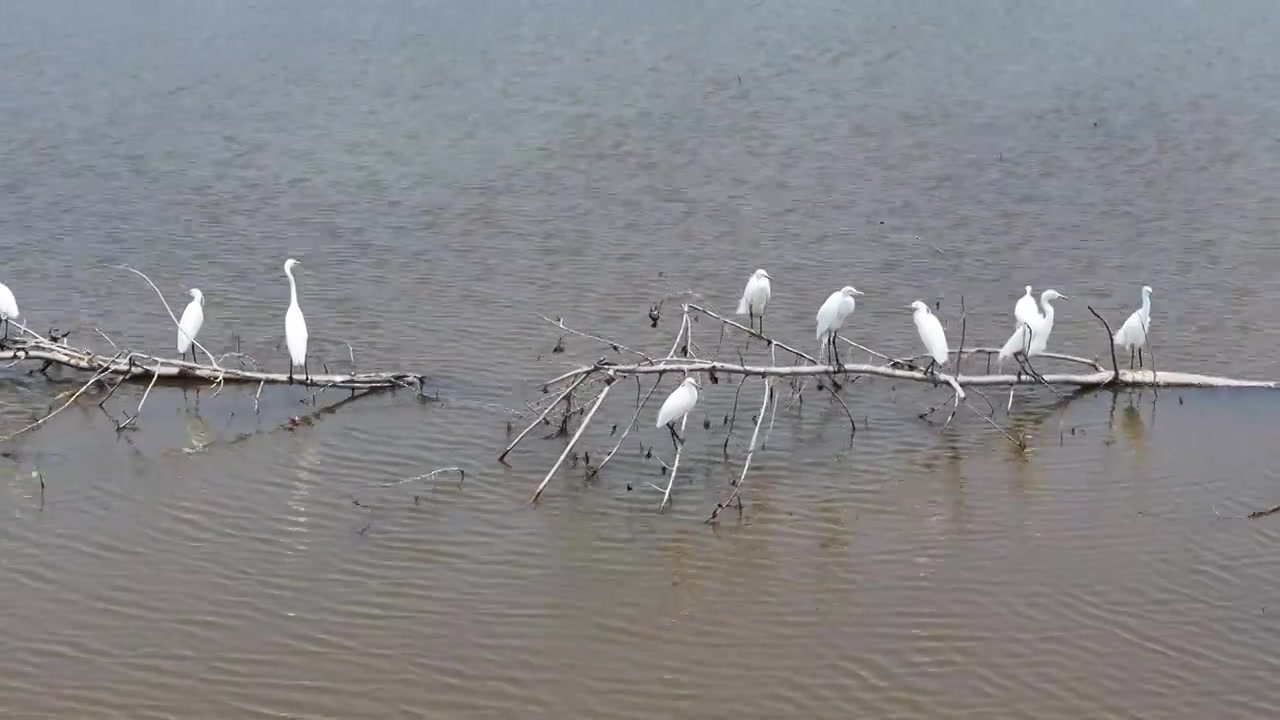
(742, 306)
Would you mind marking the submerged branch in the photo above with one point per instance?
(144, 367)
(1126, 378)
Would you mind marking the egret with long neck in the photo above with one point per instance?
(295, 327)
(1133, 334)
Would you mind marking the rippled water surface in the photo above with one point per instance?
(447, 171)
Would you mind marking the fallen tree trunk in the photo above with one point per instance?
(145, 367)
(1096, 376)
(1125, 378)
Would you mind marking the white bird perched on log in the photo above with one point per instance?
(677, 405)
(295, 327)
(1032, 338)
(1133, 334)
(8, 307)
(931, 334)
(189, 325)
(755, 296)
(1026, 311)
(831, 316)
(1028, 317)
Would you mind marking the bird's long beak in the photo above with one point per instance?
(1063, 297)
(858, 292)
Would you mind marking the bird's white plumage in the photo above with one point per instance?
(679, 402)
(931, 332)
(1133, 334)
(1026, 311)
(295, 327)
(1040, 338)
(1032, 338)
(192, 319)
(837, 308)
(8, 303)
(1019, 341)
(756, 295)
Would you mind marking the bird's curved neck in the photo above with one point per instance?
(293, 287)
(1048, 311)
(1146, 304)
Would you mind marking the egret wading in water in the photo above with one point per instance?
(831, 316)
(677, 405)
(931, 334)
(8, 307)
(1032, 338)
(295, 327)
(189, 325)
(754, 297)
(1133, 334)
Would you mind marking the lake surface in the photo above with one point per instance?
(447, 171)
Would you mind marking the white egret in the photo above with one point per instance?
(8, 307)
(1026, 311)
(1032, 338)
(931, 334)
(831, 316)
(1028, 318)
(677, 405)
(754, 297)
(1040, 337)
(1133, 334)
(189, 325)
(295, 327)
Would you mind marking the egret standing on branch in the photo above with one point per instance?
(189, 325)
(1031, 338)
(1028, 318)
(1026, 311)
(1133, 334)
(295, 328)
(931, 334)
(677, 405)
(8, 307)
(1040, 338)
(831, 316)
(755, 297)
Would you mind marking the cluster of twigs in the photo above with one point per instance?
(685, 357)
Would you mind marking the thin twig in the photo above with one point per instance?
(70, 400)
(1115, 366)
(639, 407)
(169, 310)
(574, 440)
(751, 450)
(551, 406)
(559, 323)
(675, 464)
(130, 419)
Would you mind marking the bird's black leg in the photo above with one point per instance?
(1139, 359)
(676, 440)
(290, 372)
(1130, 357)
(762, 323)
(835, 353)
(305, 372)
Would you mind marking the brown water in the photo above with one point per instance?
(446, 170)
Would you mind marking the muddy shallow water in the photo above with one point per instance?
(447, 171)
